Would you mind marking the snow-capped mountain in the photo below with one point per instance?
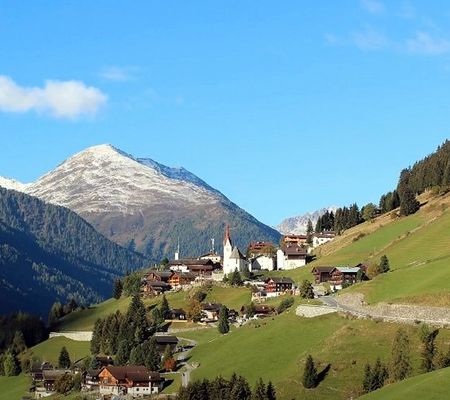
(297, 225)
(139, 202)
(105, 179)
(12, 184)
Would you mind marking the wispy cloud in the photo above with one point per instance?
(372, 6)
(425, 43)
(118, 74)
(369, 39)
(60, 99)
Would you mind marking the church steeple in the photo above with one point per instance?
(227, 237)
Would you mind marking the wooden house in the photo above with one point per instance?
(278, 285)
(162, 341)
(133, 380)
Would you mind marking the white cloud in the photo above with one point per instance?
(372, 6)
(61, 99)
(118, 74)
(424, 43)
(369, 39)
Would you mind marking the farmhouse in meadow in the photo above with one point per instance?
(131, 379)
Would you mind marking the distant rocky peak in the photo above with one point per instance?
(297, 225)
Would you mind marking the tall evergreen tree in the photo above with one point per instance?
(240, 390)
(11, 365)
(96, 339)
(408, 203)
(123, 353)
(18, 343)
(165, 308)
(306, 290)
(137, 356)
(400, 367)
(117, 288)
(309, 378)
(260, 391)
(152, 358)
(64, 358)
(223, 325)
(309, 232)
(384, 264)
(271, 393)
(428, 348)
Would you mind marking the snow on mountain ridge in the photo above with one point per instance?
(12, 184)
(297, 225)
(103, 178)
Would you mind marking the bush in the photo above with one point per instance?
(285, 304)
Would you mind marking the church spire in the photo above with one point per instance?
(227, 237)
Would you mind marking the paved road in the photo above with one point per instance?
(331, 301)
(186, 374)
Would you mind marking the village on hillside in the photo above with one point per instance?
(256, 270)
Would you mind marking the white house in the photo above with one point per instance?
(260, 262)
(321, 238)
(291, 256)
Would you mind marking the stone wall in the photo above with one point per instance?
(313, 311)
(79, 336)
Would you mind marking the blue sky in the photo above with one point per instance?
(283, 106)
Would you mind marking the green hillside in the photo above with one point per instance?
(415, 245)
(432, 386)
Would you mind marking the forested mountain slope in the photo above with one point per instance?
(48, 252)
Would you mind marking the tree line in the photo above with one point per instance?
(235, 388)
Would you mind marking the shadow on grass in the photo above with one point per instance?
(323, 374)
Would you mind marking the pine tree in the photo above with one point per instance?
(240, 390)
(223, 325)
(96, 339)
(271, 393)
(64, 358)
(137, 356)
(123, 353)
(309, 232)
(306, 290)
(152, 358)
(137, 319)
(400, 367)
(379, 375)
(408, 203)
(11, 365)
(367, 380)
(165, 308)
(236, 279)
(260, 391)
(18, 343)
(309, 378)
(384, 264)
(117, 288)
(428, 350)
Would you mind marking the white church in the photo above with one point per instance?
(232, 257)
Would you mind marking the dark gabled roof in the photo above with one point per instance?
(211, 306)
(322, 270)
(163, 339)
(53, 374)
(264, 308)
(187, 275)
(294, 249)
(135, 373)
(282, 279)
(191, 261)
(236, 254)
(162, 274)
(158, 284)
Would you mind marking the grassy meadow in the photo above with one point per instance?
(14, 387)
(432, 386)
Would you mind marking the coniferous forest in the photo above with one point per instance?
(49, 253)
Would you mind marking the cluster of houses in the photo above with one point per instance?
(339, 277)
(107, 380)
(261, 255)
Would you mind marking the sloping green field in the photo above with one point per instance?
(276, 348)
(432, 386)
(50, 349)
(418, 247)
(84, 320)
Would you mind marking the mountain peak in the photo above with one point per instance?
(297, 225)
